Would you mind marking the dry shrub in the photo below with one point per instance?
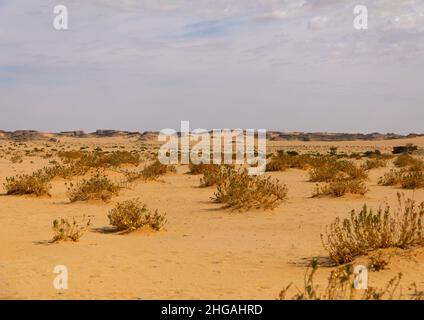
(16, 159)
(99, 159)
(340, 287)
(407, 178)
(374, 164)
(412, 180)
(391, 178)
(341, 186)
(212, 175)
(118, 158)
(131, 176)
(406, 160)
(97, 187)
(36, 183)
(154, 170)
(70, 155)
(131, 215)
(367, 230)
(330, 169)
(239, 191)
(64, 171)
(282, 161)
(198, 168)
(378, 262)
(69, 230)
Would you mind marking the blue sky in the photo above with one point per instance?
(289, 65)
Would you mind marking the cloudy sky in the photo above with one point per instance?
(289, 65)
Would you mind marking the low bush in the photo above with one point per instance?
(411, 178)
(370, 164)
(36, 183)
(368, 230)
(331, 169)
(97, 187)
(131, 215)
(340, 286)
(69, 230)
(340, 187)
(391, 178)
(212, 175)
(239, 191)
(154, 170)
(406, 160)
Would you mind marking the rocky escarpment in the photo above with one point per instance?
(29, 135)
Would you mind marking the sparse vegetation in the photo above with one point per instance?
(407, 178)
(131, 215)
(406, 160)
(239, 191)
(367, 230)
(154, 170)
(378, 262)
(211, 175)
(331, 169)
(36, 183)
(376, 163)
(97, 187)
(70, 230)
(16, 159)
(339, 187)
(340, 287)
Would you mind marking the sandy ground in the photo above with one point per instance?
(205, 253)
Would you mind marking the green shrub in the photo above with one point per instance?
(131, 215)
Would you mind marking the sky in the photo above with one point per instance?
(286, 65)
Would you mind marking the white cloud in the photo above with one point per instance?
(318, 23)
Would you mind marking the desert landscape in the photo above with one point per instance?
(206, 240)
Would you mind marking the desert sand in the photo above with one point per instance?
(206, 252)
